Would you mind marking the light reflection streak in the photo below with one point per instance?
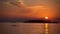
(46, 28)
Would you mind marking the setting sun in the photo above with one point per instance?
(46, 17)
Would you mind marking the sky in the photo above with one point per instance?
(31, 9)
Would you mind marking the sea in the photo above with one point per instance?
(29, 28)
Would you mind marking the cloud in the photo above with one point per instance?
(9, 10)
(4, 0)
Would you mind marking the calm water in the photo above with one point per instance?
(28, 28)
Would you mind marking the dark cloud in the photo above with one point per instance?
(3, 0)
(14, 7)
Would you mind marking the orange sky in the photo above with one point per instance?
(31, 12)
(9, 10)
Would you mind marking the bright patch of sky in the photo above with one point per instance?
(39, 2)
(36, 2)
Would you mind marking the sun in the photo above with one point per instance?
(46, 17)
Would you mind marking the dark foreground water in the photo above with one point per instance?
(29, 28)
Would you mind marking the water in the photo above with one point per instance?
(28, 28)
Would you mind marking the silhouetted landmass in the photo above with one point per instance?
(39, 21)
(15, 20)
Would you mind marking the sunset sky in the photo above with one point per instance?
(33, 9)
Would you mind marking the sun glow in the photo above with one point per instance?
(46, 17)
